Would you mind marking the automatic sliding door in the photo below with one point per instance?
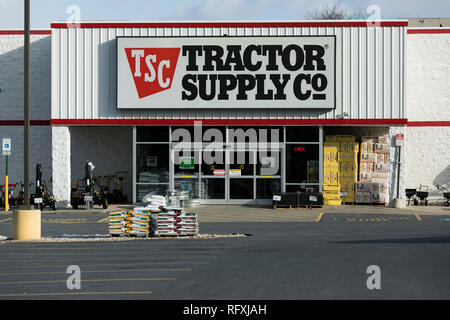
(213, 176)
(241, 175)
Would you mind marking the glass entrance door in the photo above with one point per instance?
(213, 176)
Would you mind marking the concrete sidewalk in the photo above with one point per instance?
(223, 213)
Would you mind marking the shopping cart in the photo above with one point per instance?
(422, 194)
(446, 194)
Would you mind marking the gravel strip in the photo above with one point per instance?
(103, 238)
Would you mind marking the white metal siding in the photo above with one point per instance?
(369, 73)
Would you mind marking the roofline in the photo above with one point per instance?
(21, 32)
(224, 24)
(428, 30)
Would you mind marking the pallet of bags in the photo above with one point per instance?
(188, 224)
(138, 222)
(168, 221)
(117, 223)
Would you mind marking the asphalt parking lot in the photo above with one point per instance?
(299, 254)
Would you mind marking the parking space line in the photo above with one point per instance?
(89, 280)
(73, 293)
(107, 254)
(5, 220)
(104, 219)
(418, 217)
(93, 260)
(94, 271)
(111, 264)
(319, 217)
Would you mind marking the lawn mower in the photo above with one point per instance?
(42, 196)
(445, 193)
(88, 192)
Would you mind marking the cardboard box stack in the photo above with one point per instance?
(331, 185)
(340, 169)
(348, 167)
(374, 170)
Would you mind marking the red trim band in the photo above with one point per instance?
(21, 32)
(21, 122)
(428, 123)
(276, 122)
(428, 31)
(59, 25)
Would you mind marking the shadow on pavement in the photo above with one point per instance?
(445, 239)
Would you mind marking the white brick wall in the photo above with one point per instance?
(11, 103)
(428, 99)
(61, 165)
(428, 158)
(11, 77)
(428, 77)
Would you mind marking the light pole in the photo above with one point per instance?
(26, 221)
(26, 103)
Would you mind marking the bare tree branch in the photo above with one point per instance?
(334, 10)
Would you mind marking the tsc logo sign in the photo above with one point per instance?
(226, 72)
(152, 69)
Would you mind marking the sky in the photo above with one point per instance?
(43, 12)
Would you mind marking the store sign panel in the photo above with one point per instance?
(226, 72)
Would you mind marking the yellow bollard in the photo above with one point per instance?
(6, 194)
(26, 224)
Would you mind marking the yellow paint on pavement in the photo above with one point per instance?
(319, 217)
(89, 280)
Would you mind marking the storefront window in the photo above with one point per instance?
(242, 163)
(302, 163)
(302, 134)
(152, 163)
(152, 134)
(268, 163)
(241, 188)
(258, 134)
(213, 163)
(266, 187)
(302, 188)
(186, 163)
(212, 188)
(152, 189)
(190, 185)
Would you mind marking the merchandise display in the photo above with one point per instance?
(153, 220)
(373, 186)
(340, 169)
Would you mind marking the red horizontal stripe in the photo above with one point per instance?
(21, 32)
(224, 24)
(21, 122)
(278, 122)
(428, 123)
(428, 31)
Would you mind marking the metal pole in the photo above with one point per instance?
(6, 186)
(398, 173)
(26, 103)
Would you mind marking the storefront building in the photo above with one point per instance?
(255, 101)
